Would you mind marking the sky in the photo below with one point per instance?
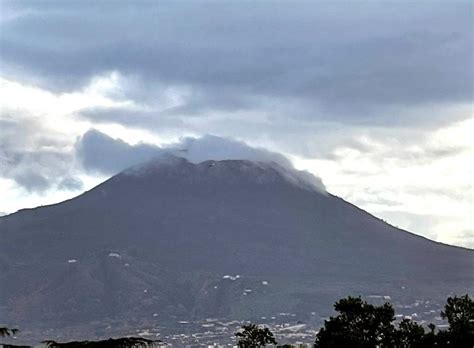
(373, 98)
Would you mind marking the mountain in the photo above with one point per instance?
(171, 241)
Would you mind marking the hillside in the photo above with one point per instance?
(174, 241)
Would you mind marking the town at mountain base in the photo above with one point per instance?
(357, 324)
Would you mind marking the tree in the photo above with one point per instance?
(362, 325)
(358, 325)
(409, 335)
(122, 342)
(253, 336)
(5, 332)
(459, 311)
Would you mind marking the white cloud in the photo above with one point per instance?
(15, 197)
(423, 184)
(38, 132)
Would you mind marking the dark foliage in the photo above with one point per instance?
(254, 336)
(6, 332)
(123, 342)
(459, 311)
(359, 325)
(411, 335)
(362, 325)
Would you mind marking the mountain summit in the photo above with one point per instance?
(174, 241)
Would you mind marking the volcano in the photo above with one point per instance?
(172, 241)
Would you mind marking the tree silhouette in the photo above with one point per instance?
(459, 311)
(410, 335)
(358, 325)
(253, 336)
(362, 325)
(6, 332)
(123, 342)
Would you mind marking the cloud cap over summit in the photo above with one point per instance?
(99, 152)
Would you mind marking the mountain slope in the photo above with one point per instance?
(230, 239)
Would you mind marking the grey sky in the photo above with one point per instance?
(348, 59)
(308, 79)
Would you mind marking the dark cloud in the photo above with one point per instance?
(31, 181)
(344, 61)
(99, 152)
(37, 171)
(70, 184)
